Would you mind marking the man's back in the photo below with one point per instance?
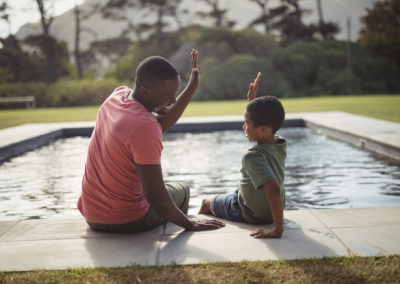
(125, 134)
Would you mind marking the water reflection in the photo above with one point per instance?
(320, 173)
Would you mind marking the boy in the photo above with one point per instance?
(123, 190)
(260, 197)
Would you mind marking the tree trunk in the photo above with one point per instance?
(349, 63)
(77, 41)
(159, 25)
(320, 14)
(46, 33)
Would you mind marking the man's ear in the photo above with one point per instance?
(143, 91)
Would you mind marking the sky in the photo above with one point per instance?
(26, 11)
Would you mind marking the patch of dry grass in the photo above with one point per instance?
(326, 270)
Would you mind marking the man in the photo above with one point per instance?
(123, 188)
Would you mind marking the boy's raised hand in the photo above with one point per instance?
(251, 94)
(194, 76)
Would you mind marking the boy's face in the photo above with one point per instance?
(252, 132)
(162, 93)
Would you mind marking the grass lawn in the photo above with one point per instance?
(377, 106)
(326, 270)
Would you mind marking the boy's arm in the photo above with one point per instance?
(173, 113)
(251, 94)
(273, 191)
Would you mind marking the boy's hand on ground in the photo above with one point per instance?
(201, 225)
(261, 233)
(194, 76)
(251, 94)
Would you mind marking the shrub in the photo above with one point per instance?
(62, 93)
(230, 79)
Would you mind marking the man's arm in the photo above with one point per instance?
(158, 197)
(273, 192)
(173, 113)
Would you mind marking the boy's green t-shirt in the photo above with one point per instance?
(261, 163)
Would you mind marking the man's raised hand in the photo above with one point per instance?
(194, 76)
(251, 94)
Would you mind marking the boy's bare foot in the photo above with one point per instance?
(205, 206)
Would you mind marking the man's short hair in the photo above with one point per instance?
(266, 111)
(155, 68)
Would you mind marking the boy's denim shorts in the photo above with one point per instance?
(227, 206)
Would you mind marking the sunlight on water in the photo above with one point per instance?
(320, 173)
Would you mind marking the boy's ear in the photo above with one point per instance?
(266, 129)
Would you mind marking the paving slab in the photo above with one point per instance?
(5, 226)
(224, 246)
(50, 229)
(106, 250)
(370, 241)
(359, 217)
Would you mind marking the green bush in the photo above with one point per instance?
(320, 68)
(230, 79)
(62, 93)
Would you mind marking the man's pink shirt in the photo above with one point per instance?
(126, 134)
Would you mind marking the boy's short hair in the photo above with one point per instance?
(267, 111)
(155, 68)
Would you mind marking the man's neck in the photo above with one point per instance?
(136, 96)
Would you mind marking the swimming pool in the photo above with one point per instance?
(320, 173)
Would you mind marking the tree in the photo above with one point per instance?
(328, 30)
(115, 9)
(103, 54)
(5, 14)
(47, 46)
(161, 8)
(381, 29)
(286, 18)
(79, 18)
(216, 13)
(264, 18)
(46, 19)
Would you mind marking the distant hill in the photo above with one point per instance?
(242, 11)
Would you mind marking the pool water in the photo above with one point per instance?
(320, 173)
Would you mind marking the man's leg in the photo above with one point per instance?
(180, 193)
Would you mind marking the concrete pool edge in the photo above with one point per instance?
(377, 136)
(68, 243)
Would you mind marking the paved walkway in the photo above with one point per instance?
(60, 244)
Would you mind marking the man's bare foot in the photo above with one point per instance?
(205, 206)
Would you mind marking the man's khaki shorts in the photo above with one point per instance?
(180, 194)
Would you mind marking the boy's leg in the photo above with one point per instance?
(206, 206)
(227, 206)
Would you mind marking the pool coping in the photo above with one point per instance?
(69, 243)
(379, 137)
